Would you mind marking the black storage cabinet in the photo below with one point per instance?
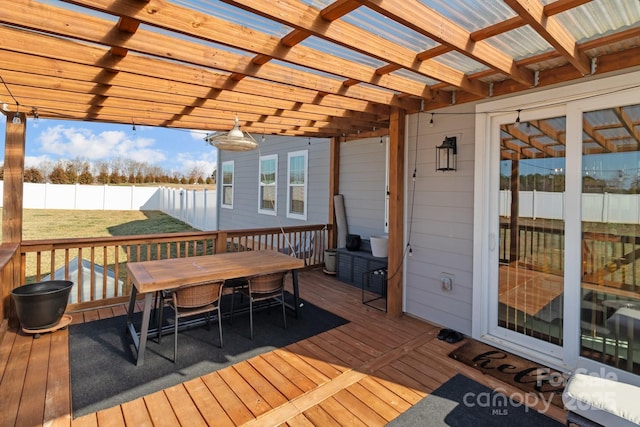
(351, 265)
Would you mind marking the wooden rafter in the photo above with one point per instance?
(424, 20)
(526, 143)
(42, 45)
(177, 65)
(309, 19)
(532, 11)
(597, 137)
(168, 16)
(97, 30)
(628, 123)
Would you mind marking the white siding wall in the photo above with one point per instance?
(245, 193)
(362, 184)
(442, 222)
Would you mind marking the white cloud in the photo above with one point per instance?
(36, 161)
(206, 162)
(72, 142)
(170, 149)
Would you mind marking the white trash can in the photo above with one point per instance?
(330, 256)
(379, 246)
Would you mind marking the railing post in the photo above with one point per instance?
(10, 264)
(221, 242)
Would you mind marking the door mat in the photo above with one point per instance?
(519, 372)
(462, 402)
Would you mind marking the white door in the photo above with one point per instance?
(557, 240)
(608, 294)
(527, 296)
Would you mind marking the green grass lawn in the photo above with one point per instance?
(41, 224)
(62, 223)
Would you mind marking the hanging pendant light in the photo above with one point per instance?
(16, 117)
(234, 140)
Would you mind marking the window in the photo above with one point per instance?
(268, 190)
(227, 184)
(297, 185)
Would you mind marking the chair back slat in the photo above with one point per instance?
(267, 283)
(199, 295)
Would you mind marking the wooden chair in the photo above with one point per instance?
(191, 300)
(262, 288)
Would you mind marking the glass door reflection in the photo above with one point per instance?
(610, 304)
(532, 229)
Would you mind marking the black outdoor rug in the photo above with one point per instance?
(462, 402)
(103, 370)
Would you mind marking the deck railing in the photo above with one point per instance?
(607, 259)
(97, 266)
(9, 274)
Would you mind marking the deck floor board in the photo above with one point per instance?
(365, 372)
(32, 413)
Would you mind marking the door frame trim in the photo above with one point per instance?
(570, 98)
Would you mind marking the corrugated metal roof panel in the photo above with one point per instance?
(599, 17)
(471, 15)
(388, 29)
(520, 43)
(418, 77)
(236, 15)
(460, 62)
(341, 52)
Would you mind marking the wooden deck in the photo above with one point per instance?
(366, 372)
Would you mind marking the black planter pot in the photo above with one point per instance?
(41, 305)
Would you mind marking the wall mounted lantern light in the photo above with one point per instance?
(446, 154)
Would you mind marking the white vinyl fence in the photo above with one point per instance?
(607, 207)
(195, 207)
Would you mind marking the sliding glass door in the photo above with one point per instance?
(610, 247)
(558, 257)
(530, 296)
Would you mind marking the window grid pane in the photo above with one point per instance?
(267, 198)
(227, 195)
(227, 183)
(297, 186)
(268, 172)
(267, 184)
(297, 199)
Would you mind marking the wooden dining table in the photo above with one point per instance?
(149, 277)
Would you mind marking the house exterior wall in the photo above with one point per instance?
(362, 184)
(244, 213)
(439, 219)
(439, 216)
(438, 212)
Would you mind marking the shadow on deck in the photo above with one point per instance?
(366, 372)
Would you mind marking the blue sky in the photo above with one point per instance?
(177, 150)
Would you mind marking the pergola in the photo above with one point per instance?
(337, 69)
(318, 68)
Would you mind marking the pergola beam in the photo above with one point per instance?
(424, 20)
(209, 28)
(301, 16)
(549, 28)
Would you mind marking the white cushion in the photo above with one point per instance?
(607, 402)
